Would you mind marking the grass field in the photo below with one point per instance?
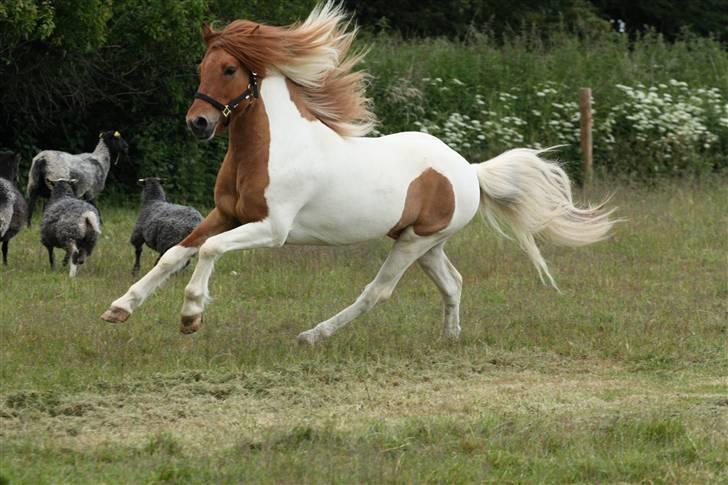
(621, 378)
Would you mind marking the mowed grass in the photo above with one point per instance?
(620, 378)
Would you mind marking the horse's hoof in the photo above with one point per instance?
(309, 337)
(190, 324)
(115, 315)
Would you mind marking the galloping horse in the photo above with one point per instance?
(298, 170)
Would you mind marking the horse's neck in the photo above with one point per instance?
(249, 137)
(103, 155)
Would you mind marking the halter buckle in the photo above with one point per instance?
(226, 112)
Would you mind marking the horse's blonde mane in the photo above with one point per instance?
(313, 54)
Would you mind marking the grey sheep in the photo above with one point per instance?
(70, 224)
(13, 209)
(88, 169)
(160, 224)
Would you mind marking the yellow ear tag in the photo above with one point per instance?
(101, 135)
(117, 134)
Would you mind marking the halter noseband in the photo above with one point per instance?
(227, 109)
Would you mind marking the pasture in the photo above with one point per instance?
(621, 378)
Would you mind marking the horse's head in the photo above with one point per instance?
(226, 86)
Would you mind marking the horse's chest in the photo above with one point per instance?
(241, 194)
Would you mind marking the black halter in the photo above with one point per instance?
(227, 109)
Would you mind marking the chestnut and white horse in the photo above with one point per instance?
(299, 170)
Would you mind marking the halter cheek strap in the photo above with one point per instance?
(227, 109)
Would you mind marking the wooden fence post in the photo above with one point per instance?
(586, 136)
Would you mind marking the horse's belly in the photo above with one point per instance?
(336, 222)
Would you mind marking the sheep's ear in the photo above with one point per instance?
(101, 134)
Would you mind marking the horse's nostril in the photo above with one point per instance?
(200, 122)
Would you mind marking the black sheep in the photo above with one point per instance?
(160, 224)
(70, 224)
(13, 209)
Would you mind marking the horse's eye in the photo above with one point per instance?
(229, 71)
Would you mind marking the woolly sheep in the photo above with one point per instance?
(70, 224)
(160, 224)
(13, 209)
(89, 169)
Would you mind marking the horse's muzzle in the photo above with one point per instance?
(201, 127)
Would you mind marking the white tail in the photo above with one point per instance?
(90, 219)
(532, 197)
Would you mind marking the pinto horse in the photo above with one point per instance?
(299, 170)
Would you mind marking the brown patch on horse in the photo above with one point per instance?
(428, 207)
(297, 98)
(242, 177)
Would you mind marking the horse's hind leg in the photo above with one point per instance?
(403, 254)
(439, 268)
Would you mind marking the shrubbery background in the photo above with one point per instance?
(482, 77)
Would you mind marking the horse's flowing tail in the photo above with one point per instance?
(532, 197)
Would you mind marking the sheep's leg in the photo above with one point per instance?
(71, 250)
(51, 259)
(32, 198)
(252, 235)
(172, 261)
(5, 253)
(66, 257)
(137, 264)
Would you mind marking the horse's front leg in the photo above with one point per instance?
(252, 235)
(172, 260)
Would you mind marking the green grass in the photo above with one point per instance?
(621, 378)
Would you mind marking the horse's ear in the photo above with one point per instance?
(207, 32)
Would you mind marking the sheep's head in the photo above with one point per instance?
(152, 188)
(9, 165)
(117, 145)
(62, 187)
(150, 181)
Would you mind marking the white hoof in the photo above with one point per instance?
(309, 337)
(452, 332)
